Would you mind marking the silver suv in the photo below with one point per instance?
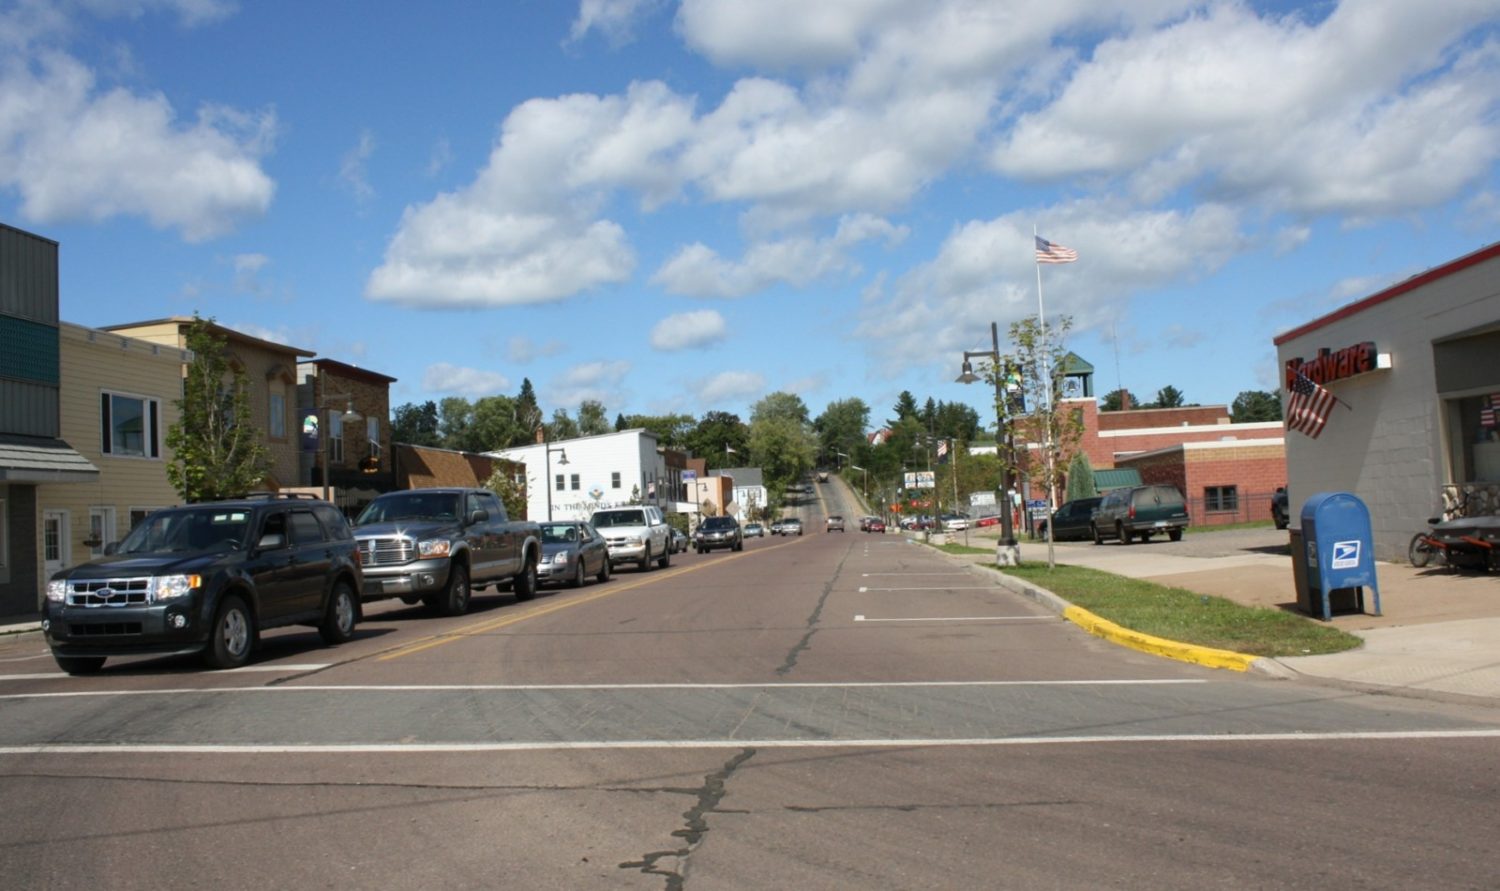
(636, 534)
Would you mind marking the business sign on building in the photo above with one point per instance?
(921, 479)
(1334, 365)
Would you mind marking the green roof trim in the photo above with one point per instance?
(1116, 478)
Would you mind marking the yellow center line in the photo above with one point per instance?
(489, 625)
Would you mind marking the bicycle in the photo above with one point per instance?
(1460, 543)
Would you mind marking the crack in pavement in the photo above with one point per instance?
(695, 826)
(812, 621)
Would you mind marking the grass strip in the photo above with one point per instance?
(1187, 616)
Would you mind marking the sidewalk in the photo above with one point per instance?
(1438, 634)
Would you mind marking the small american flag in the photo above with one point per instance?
(1307, 410)
(1048, 252)
(1489, 411)
(942, 449)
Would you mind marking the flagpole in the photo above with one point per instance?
(1041, 314)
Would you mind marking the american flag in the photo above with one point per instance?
(1489, 411)
(942, 449)
(1307, 410)
(1047, 252)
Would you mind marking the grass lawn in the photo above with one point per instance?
(1186, 616)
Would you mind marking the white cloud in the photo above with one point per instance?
(75, 151)
(521, 350)
(247, 269)
(352, 167)
(441, 157)
(731, 386)
(984, 272)
(615, 19)
(1355, 99)
(698, 271)
(601, 381)
(689, 330)
(469, 382)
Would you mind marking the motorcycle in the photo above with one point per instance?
(1460, 543)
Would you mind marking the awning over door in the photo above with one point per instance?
(36, 459)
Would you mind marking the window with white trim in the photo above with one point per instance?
(614, 480)
(129, 425)
(101, 529)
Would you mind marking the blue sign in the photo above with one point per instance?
(1037, 504)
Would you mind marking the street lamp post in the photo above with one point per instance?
(547, 479)
(1007, 553)
(864, 486)
(347, 416)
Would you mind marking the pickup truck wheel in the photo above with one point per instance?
(1098, 538)
(666, 558)
(340, 616)
(79, 664)
(233, 635)
(1120, 534)
(525, 586)
(1174, 534)
(455, 598)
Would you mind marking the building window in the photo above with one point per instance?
(573, 483)
(276, 421)
(335, 437)
(614, 480)
(129, 425)
(559, 483)
(101, 529)
(372, 433)
(1475, 438)
(1221, 498)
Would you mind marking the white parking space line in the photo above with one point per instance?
(865, 575)
(425, 748)
(28, 677)
(863, 590)
(964, 619)
(281, 666)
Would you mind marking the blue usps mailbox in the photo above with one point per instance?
(1339, 552)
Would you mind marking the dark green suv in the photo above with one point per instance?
(207, 579)
(1140, 512)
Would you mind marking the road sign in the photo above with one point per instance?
(1037, 504)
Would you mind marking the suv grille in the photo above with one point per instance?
(95, 593)
(386, 551)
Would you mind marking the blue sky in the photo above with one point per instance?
(681, 207)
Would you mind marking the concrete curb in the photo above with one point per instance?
(1135, 640)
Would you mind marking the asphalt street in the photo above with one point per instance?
(824, 711)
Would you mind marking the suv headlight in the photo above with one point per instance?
(168, 587)
(438, 547)
(57, 590)
(636, 540)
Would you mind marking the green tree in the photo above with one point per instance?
(783, 449)
(672, 431)
(780, 404)
(1080, 478)
(512, 492)
(455, 416)
(905, 407)
(1052, 428)
(217, 451)
(1255, 405)
(592, 419)
(493, 425)
(1115, 400)
(716, 431)
(954, 420)
(562, 426)
(416, 424)
(1168, 397)
(528, 413)
(841, 428)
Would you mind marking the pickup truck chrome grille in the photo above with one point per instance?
(96, 593)
(386, 551)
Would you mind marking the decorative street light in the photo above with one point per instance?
(347, 416)
(864, 487)
(547, 481)
(1008, 553)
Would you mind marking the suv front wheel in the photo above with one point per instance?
(233, 635)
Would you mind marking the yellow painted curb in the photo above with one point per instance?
(1157, 646)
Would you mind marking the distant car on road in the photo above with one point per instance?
(755, 530)
(679, 541)
(835, 524)
(875, 525)
(776, 526)
(791, 526)
(718, 532)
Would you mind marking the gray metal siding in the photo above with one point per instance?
(28, 409)
(28, 276)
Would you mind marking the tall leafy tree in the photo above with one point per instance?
(1115, 400)
(671, 430)
(716, 431)
(562, 426)
(416, 424)
(592, 418)
(217, 450)
(455, 416)
(1053, 429)
(528, 412)
(780, 404)
(494, 425)
(1255, 405)
(841, 428)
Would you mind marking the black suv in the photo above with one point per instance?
(207, 579)
(1279, 514)
(719, 532)
(1140, 512)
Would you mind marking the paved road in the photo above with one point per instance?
(830, 711)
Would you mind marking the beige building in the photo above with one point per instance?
(271, 373)
(116, 399)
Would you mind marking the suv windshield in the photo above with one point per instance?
(606, 518)
(410, 506)
(719, 523)
(188, 529)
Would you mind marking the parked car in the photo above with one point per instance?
(791, 526)
(636, 534)
(776, 526)
(834, 523)
(1074, 521)
(1140, 512)
(719, 532)
(439, 545)
(875, 525)
(1279, 514)
(207, 579)
(680, 541)
(755, 530)
(571, 552)
(954, 522)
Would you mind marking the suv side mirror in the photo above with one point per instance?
(271, 541)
